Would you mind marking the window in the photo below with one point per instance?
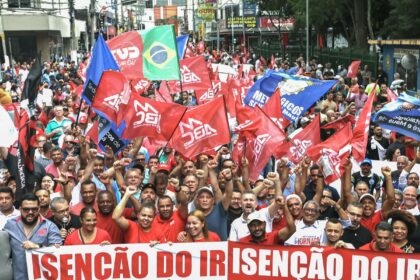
(149, 4)
(161, 2)
(179, 2)
(228, 11)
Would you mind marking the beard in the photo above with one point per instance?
(29, 223)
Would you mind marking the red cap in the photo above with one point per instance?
(163, 167)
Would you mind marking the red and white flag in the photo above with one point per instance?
(295, 150)
(154, 119)
(202, 128)
(361, 129)
(353, 69)
(392, 96)
(140, 86)
(113, 90)
(331, 153)
(339, 123)
(258, 138)
(273, 109)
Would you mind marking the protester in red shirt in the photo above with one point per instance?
(88, 233)
(256, 226)
(106, 206)
(196, 229)
(169, 221)
(382, 241)
(141, 231)
(370, 217)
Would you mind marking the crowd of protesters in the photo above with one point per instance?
(79, 195)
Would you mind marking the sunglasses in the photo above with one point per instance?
(27, 210)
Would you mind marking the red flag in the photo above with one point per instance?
(353, 69)
(93, 133)
(361, 129)
(272, 61)
(154, 119)
(204, 96)
(295, 149)
(200, 47)
(202, 128)
(140, 86)
(332, 152)
(164, 93)
(339, 123)
(259, 137)
(391, 95)
(194, 75)
(27, 139)
(273, 109)
(113, 90)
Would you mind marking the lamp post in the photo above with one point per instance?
(307, 32)
(233, 32)
(243, 22)
(193, 19)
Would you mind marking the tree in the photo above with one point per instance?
(403, 20)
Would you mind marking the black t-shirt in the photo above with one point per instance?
(74, 222)
(310, 192)
(231, 216)
(373, 181)
(414, 238)
(372, 150)
(358, 237)
(328, 214)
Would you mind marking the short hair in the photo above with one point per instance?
(291, 196)
(398, 192)
(87, 182)
(148, 186)
(153, 157)
(30, 197)
(384, 226)
(85, 210)
(164, 197)
(361, 183)
(237, 190)
(161, 177)
(149, 205)
(404, 158)
(333, 221)
(314, 202)
(7, 190)
(415, 173)
(55, 149)
(55, 201)
(102, 192)
(410, 187)
(356, 204)
(314, 167)
(47, 147)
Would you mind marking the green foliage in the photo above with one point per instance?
(403, 21)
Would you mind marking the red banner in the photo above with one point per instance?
(217, 260)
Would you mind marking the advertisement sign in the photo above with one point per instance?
(250, 22)
(286, 24)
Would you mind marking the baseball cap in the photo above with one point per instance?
(163, 167)
(366, 161)
(367, 195)
(208, 189)
(255, 216)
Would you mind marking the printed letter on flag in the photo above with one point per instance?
(154, 119)
(353, 69)
(202, 128)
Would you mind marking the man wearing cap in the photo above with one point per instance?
(216, 213)
(370, 217)
(257, 228)
(372, 180)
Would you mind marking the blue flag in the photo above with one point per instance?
(181, 43)
(298, 93)
(110, 135)
(101, 60)
(402, 116)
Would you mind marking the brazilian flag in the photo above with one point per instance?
(160, 57)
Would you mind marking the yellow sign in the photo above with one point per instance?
(206, 11)
(250, 22)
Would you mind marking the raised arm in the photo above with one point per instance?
(227, 196)
(181, 198)
(346, 196)
(290, 228)
(245, 174)
(117, 215)
(389, 190)
(136, 147)
(211, 167)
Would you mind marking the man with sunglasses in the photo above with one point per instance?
(29, 231)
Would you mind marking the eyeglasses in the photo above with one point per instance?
(27, 210)
(69, 142)
(310, 210)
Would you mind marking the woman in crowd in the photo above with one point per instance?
(196, 229)
(403, 225)
(88, 233)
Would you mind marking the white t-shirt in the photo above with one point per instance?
(239, 227)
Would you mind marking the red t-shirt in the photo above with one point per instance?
(271, 238)
(74, 237)
(75, 210)
(213, 237)
(108, 224)
(372, 221)
(136, 234)
(279, 224)
(171, 227)
(370, 247)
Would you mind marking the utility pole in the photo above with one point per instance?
(92, 22)
(116, 16)
(73, 45)
(193, 15)
(307, 33)
(243, 22)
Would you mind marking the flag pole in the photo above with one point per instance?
(173, 132)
